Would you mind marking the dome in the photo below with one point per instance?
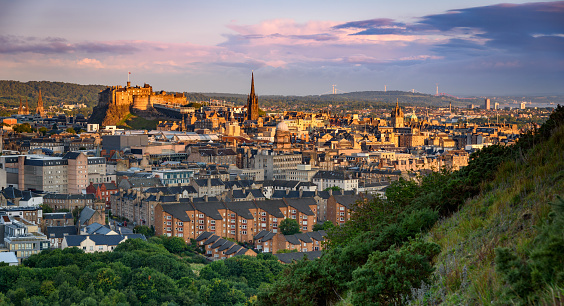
(282, 126)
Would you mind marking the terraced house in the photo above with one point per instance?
(236, 220)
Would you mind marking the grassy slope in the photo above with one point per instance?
(505, 215)
(134, 122)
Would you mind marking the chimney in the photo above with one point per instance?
(301, 192)
(287, 191)
(205, 198)
(209, 182)
(330, 192)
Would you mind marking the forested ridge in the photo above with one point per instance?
(52, 93)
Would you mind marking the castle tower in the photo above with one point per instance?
(397, 116)
(252, 102)
(40, 110)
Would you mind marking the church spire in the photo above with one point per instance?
(252, 102)
(26, 106)
(252, 83)
(40, 110)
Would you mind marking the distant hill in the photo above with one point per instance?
(52, 93)
(373, 97)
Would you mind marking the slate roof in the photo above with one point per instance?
(272, 207)
(97, 229)
(226, 245)
(85, 215)
(346, 200)
(261, 234)
(203, 236)
(333, 175)
(242, 208)
(242, 251)
(60, 231)
(317, 235)
(202, 200)
(57, 215)
(218, 243)
(204, 182)
(296, 256)
(178, 210)
(210, 209)
(257, 193)
(280, 194)
(236, 248)
(212, 239)
(302, 205)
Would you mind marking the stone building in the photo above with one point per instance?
(140, 98)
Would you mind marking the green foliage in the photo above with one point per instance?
(387, 277)
(195, 105)
(289, 227)
(325, 226)
(22, 128)
(144, 230)
(46, 208)
(334, 188)
(137, 272)
(544, 267)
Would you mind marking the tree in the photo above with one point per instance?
(387, 277)
(71, 130)
(145, 230)
(46, 208)
(43, 130)
(334, 188)
(325, 226)
(289, 227)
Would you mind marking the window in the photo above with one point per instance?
(342, 208)
(304, 228)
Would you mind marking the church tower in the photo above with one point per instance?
(397, 116)
(21, 109)
(26, 106)
(40, 110)
(252, 102)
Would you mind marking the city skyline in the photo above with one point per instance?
(467, 47)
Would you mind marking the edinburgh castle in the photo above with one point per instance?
(139, 98)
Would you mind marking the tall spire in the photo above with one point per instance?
(40, 110)
(26, 106)
(252, 83)
(252, 101)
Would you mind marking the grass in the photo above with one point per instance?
(196, 268)
(131, 121)
(507, 215)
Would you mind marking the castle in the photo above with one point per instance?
(139, 98)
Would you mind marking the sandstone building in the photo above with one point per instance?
(139, 98)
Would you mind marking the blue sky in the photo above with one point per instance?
(294, 47)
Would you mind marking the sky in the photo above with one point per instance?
(466, 47)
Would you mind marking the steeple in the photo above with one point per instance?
(252, 83)
(252, 102)
(26, 106)
(40, 110)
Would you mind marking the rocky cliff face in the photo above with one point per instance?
(108, 114)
